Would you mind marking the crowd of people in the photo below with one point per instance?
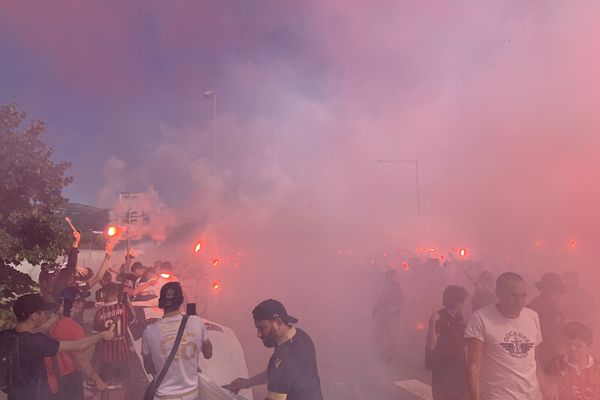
(48, 356)
(515, 349)
(507, 348)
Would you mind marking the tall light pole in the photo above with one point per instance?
(416, 163)
(211, 94)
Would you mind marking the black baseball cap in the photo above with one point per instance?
(171, 295)
(272, 309)
(73, 293)
(31, 303)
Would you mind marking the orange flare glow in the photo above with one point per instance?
(165, 275)
(215, 285)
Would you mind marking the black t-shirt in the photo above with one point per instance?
(293, 368)
(32, 348)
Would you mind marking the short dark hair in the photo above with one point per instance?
(508, 277)
(111, 289)
(137, 265)
(578, 330)
(453, 296)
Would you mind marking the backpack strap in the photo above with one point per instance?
(158, 380)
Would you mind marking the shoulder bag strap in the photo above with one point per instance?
(157, 381)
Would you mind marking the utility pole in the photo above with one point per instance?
(211, 94)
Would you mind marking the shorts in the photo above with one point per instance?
(114, 372)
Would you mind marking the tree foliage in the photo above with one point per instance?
(31, 186)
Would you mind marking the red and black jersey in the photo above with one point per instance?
(115, 349)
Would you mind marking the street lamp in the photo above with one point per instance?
(210, 94)
(416, 163)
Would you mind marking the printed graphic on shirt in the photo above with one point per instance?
(115, 349)
(517, 344)
(188, 349)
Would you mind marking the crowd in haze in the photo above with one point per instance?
(509, 347)
(46, 356)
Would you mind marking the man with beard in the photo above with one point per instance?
(292, 371)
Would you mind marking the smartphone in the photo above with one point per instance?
(191, 309)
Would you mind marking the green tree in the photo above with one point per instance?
(30, 198)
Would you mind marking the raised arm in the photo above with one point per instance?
(105, 264)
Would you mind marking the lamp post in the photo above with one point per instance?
(416, 164)
(210, 94)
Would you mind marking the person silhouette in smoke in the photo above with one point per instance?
(552, 321)
(578, 304)
(445, 350)
(386, 313)
(484, 295)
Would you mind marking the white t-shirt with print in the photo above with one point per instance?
(158, 340)
(508, 365)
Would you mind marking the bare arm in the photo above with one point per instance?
(49, 322)
(474, 351)
(104, 266)
(432, 335)
(80, 344)
(207, 349)
(85, 366)
(142, 287)
(149, 364)
(243, 383)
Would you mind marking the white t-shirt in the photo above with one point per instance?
(508, 366)
(158, 340)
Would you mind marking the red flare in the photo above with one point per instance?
(215, 285)
(420, 326)
(198, 247)
(165, 275)
(215, 262)
(112, 231)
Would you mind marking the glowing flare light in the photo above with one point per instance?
(165, 275)
(198, 247)
(112, 231)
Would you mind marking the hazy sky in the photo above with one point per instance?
(497, 101)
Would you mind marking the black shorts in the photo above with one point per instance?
(114, 372)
